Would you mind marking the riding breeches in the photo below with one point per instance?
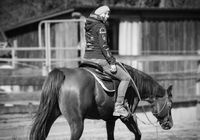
(121, 74)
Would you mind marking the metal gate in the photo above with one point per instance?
(63, 40)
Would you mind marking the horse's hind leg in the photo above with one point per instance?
(69, 106)
(76, 124)
(76, 127)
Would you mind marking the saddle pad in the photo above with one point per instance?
(98, 70)
(107, 85)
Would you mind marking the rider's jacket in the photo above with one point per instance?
(96, 40)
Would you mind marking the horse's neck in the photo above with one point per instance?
(146, 85)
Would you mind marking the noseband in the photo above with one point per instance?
(163, 107)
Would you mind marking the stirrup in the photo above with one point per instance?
(120, 111)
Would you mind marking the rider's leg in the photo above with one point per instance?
(125, 78)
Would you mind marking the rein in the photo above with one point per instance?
(165, 104)
(136, 89)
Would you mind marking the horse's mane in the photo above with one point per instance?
(146, 85)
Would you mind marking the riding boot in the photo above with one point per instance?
(119, 109)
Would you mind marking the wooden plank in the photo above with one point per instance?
(145, 45)
(197, 35)
(22, 81)
(176, 76)
(148, 58)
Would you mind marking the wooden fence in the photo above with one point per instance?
(184, 82)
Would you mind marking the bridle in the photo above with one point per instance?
(157, 115)
(166, 104)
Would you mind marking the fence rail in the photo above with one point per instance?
(186, 83)
(121, 57)
(182, 57)
(38, 80)
(139, 58)
(161, 57)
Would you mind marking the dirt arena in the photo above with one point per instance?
(186, 127)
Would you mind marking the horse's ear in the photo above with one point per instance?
(169, 90)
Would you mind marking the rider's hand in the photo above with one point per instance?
(113, 68)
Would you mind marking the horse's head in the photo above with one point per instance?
(162, 109)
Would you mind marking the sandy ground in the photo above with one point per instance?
(17, 126)
(186, 127)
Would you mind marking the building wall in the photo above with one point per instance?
(130, 40)
(26, 37)
(137, 37)
(172, 37)
(168, 37)
(62, 35)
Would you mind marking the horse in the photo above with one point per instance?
(76, 94)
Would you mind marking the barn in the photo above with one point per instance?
(163, 42)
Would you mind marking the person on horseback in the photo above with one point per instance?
(97, 50)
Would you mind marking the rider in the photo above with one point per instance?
(97, 50)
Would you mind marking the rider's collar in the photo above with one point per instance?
(97, 17)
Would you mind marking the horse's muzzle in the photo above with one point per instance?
(167, 124)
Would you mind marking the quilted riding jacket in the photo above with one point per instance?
(96, 41)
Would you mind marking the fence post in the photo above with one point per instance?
(14, 53)
(47, 46)
(82, 34)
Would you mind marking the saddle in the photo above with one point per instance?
(107, 81)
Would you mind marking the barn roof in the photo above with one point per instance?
(150, 13)
(119, 13)
(37, 19)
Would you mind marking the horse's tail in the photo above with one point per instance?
(48, 109)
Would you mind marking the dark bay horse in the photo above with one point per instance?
(76, 94)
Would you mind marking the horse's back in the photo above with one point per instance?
(77, 87)
(80, 92)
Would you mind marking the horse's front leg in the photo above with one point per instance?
(110, 125)
(135, 104)
(132, 126)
